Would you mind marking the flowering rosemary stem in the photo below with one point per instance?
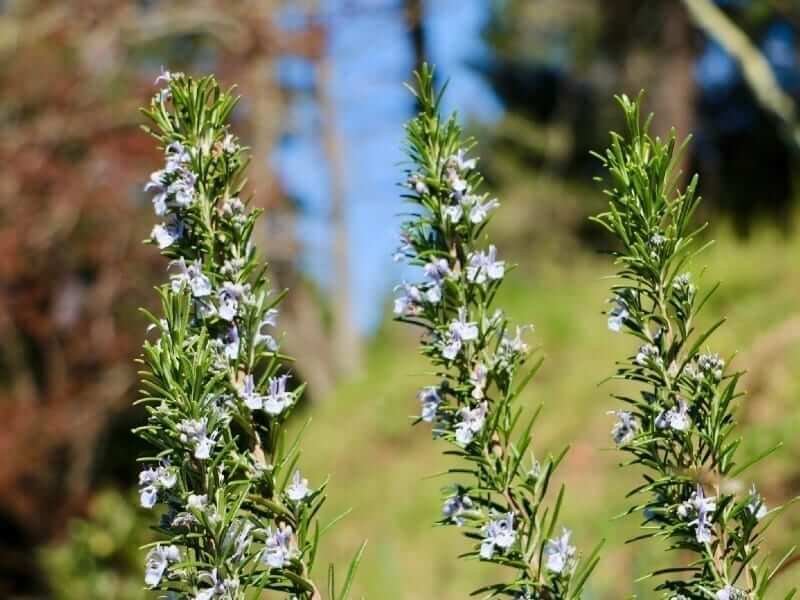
(680, 426)
(238, 517)
(499, 496)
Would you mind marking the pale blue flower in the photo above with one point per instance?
(454, 508)
(409, 303)
(625, 428)
(249, 395)
(430, 400)
(456, 182)
(702, 508)
(472, 421)
(480, 210)
(478, 378)
(157, 562)
(297, 489)
(559, 553)
(167, 76)
(194, 432)
(710, 366)
(152, 481)
(270, 319)
(484, 265)
(755, 504)
(220, 588)
(158, 184)
(498, 534)
(167, 233)
(676, 418)
(279, 547)
(277, 398)
(229, 297)
(238, 538)
(617, 316)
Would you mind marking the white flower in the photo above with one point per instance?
(559, 554)
(197, 501)
(298, 488)
(454, 212)
(277, 398)
(158, 559)
(483, 266)
(460, 162)
(498, 534)
(472, 421)
(192, 275)
(416, 181)
(625, 428)
(430, 400)
(461, 330)
(278, 548)
(711, 366)
(731, 593)
(229, 297)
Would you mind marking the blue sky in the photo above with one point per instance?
(371, 59)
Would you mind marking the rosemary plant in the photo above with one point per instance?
(239, 517)
(680, 428)
(498, 499)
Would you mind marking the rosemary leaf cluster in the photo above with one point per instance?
(237, 516)
(498, 498)
(679, 426)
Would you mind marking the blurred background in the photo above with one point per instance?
(323, 107)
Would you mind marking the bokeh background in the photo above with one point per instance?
(322, 109)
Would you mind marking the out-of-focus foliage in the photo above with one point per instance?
(556, 63)
(100, 557)
(72, 217)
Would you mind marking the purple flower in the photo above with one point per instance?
(192, 275)
(151, 481)
(409, 303)
(625, 428)
(676, 418)
(480, 210)
(229, 297)
(702, 508)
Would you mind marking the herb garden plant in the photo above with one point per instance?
(679, 428)
(499, 489)
(237, 514)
